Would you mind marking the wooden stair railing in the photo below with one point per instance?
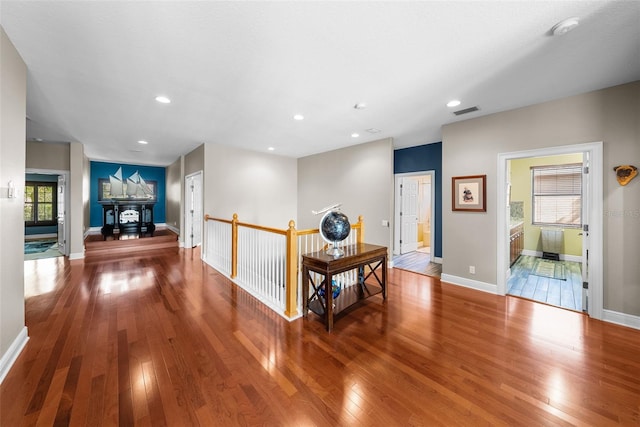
(290, 307)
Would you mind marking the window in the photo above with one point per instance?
(557, 195)
(40, 203)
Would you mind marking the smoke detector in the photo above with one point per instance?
(563, 27)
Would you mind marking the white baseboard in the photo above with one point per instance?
(76, 255)
(12, 353)
(437, 259)
(93, 230)
(28, 237)
(469, 283)
(172, 228)
(621, 318)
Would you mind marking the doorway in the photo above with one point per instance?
(193, 210)
(58, 232)
(591, 234)
(414, 232)
(545, 203)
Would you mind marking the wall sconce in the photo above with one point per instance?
(625, 173)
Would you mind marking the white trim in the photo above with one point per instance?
(596, 201)
(188, 235)
(28, 237)
(469, 283)
(93, 230)
(12, 353)
(623, 319)
(76, 255)
(437, 259)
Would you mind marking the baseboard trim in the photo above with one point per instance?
(28, 237)
(622, 319)
(12, 353)
(437, 259)
(77, 255)
(172, 228)
(469, 283)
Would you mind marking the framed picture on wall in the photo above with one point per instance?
(468, 193)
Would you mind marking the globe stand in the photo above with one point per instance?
(335, 251)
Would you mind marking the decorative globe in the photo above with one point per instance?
(335, 288)
(334, 228)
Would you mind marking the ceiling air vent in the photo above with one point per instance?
(465, 111)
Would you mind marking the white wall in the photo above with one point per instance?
(76, 193)
(260, 187)
(173, 194)
(13, 84)
(471, 147)
(360, 177)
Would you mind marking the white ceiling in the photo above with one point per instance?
(237, 72)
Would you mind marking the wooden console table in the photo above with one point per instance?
(357, 256)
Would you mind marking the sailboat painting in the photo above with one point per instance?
(131, 188)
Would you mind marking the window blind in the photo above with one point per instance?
(557, 195)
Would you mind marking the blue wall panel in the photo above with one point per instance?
(424, 158)
(149, 173)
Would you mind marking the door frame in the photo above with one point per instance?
(594, 201)
(398, 208)
(188, 221)
(67, 200)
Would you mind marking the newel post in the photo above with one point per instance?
(234, 246)
(291, 309)
(361, 229)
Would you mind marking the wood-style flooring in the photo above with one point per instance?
(161, 339)
(418, 262)
(561, 293)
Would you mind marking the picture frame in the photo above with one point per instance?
(468, 193)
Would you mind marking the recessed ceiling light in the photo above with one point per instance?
(563, 27)
(142, 142)
(271, 149)
(360, 106)
(298, 117)
(453, 103)
(355, 135)
(373, 130)
(163, 99)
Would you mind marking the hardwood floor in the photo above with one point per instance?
(166, 340)
(418, 262)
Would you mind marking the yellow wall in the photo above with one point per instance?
(521, 191)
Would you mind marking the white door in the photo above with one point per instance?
(409, 214)
(62, 242)
(193, 210)
(585, 232)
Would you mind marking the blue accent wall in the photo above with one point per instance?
(424, 158)
(149, 173)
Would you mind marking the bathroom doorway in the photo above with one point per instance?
(414, 222)
(545, 229)
(590, 232)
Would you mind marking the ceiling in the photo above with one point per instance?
(237, 72)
